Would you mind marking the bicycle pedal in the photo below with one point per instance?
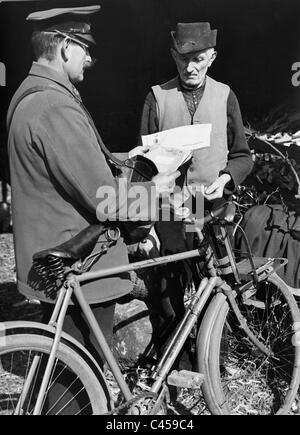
(185, 379)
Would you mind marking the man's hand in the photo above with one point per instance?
(141, 150)
(165, 183)
(216, 189)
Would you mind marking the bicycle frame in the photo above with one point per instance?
(179, 336)
(72, 285)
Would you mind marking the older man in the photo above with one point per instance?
(58, 163)
(193, 97)
(190, 98)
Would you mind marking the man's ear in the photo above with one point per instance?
(65, 49)
(212, 57)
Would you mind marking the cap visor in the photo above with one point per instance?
(87, 38)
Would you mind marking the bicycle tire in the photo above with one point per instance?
(239, 379)
(84, 395)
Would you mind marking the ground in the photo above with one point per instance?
(12, 305)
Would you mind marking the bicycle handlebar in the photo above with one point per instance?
(226, 213)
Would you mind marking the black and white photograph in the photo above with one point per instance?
(150, 210)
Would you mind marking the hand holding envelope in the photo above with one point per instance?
(169, 149)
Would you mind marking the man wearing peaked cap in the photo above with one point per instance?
(58, 163)
(74, 22)
(194, 97)
(73, 27)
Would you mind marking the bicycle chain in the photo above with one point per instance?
(131, 402)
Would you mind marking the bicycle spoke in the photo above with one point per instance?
(70, 401)
(273, 327)
(242, 378)
(65, 394)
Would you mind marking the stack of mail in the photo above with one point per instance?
(169, 149)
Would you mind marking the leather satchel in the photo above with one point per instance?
(136, 169)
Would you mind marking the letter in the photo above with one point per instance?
(122, 213)
(154, 203)
(296, 77)
(136, 426)
(106, 209)
(154, 427)
(109, 426)
(138, 209)
(2, 74)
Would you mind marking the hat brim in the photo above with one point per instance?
(207, 41)
(85, 38)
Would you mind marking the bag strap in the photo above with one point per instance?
(25, 94)
(36, 89)
(105, 150)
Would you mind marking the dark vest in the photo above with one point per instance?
(173, 112)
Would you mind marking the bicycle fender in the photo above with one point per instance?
(9, 328)
(274, 278)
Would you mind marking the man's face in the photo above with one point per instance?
(79, 60)
(192, 67)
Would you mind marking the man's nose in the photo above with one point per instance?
(88, 58)
(190, 66)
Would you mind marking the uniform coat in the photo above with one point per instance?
(56, 168)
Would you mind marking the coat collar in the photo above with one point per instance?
(49, 73)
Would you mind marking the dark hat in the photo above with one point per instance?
(190, 37)
(71, 22)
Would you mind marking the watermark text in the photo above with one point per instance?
(2, 74)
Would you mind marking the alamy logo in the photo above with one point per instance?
(134, 202)
(2, 74)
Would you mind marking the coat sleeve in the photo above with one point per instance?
(240, 162)
(149, 119)
(75, 160)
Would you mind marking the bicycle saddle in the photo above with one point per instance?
(77, 247)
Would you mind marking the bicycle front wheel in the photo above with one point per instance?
(74, 389)
(239, 377)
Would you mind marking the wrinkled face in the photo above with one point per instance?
(78, 60)
(192, 67)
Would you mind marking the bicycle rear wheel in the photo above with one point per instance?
(73, 389)
(239, 378)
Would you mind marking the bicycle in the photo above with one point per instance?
(246, 324)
